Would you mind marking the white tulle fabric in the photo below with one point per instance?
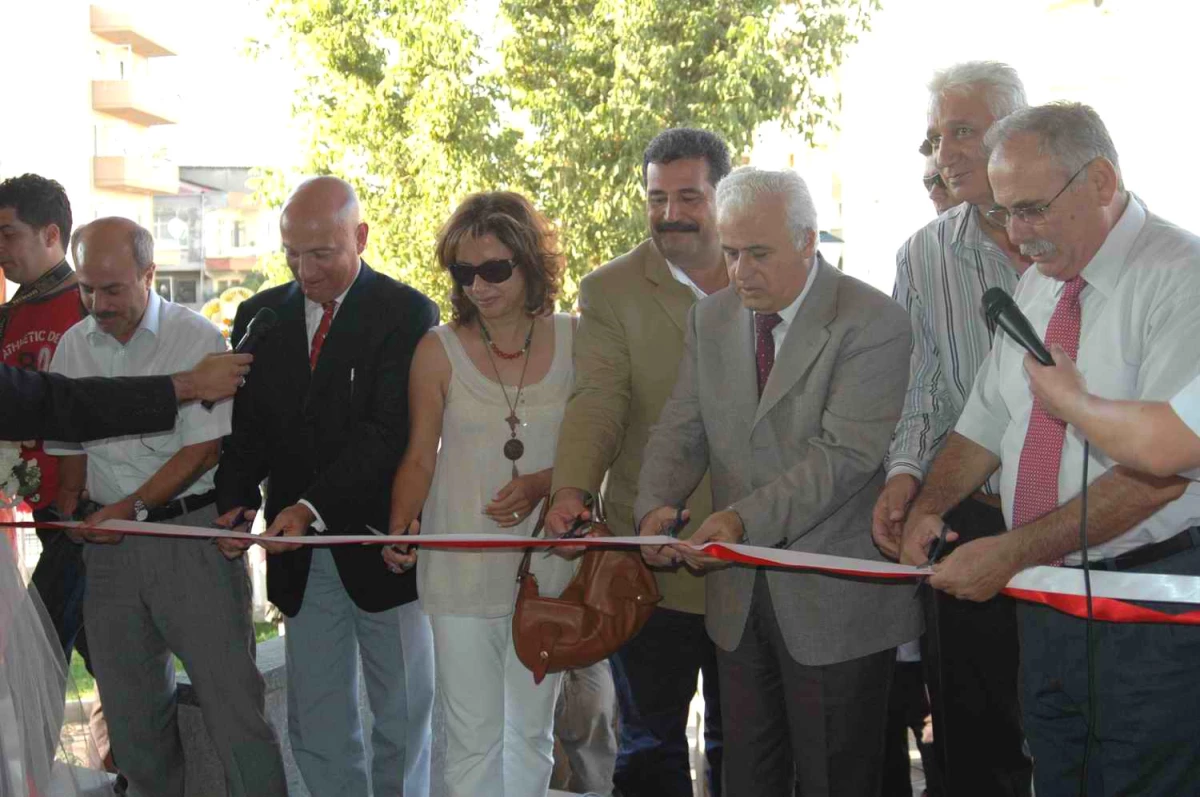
(34, 760)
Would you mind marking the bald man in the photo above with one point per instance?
(147, 598)
(323, 418)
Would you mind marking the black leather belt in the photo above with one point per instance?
(181, 506)
(1148, 554)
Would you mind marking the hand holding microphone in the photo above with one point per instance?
(256, 330)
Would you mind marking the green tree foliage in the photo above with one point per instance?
(419, 102)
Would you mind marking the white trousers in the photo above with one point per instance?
(499, 724)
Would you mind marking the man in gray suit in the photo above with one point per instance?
(790, 386)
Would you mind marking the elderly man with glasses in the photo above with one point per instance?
(1117, 289)
(942, 271)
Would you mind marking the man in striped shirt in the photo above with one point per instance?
(942, 271)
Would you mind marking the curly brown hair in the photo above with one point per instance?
(519, 226)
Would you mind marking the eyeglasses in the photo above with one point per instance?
(933, 181)
(1034, 214)
(493, 271)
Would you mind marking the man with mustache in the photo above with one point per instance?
(970, 651)
(633, 311)
(149, 597)
(1118, 289)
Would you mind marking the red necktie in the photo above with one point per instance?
(764, 346)
(1041, 456)
(322, 331)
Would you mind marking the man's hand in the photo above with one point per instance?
(887, 521)
(67, 501)
(568, 504)
(291, 522)
(516, 500)
(1060, 387)
(977, 570)
(232, 549)
(656, 522)
(400, 558)
(725, 526)
(121, 510)
(919, 533)
(216, 377)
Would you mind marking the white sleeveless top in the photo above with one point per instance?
(471, 468)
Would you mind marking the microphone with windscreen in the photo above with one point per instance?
(1001, 310)
(256, 330)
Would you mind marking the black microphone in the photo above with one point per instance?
(1001, 310)
(256, 330)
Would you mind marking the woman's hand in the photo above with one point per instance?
(517, 499)
(401, 558)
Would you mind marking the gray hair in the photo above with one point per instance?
(746, 184)
(1001, 86)
(1071, 133)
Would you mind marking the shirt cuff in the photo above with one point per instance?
(318, 523)
(907, 468)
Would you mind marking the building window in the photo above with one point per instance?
(185, 292)
(163, 286)
(239, 234)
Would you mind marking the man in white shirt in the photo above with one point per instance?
(1119, 289)
(150, 597)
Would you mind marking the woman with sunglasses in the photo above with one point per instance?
(490, 387)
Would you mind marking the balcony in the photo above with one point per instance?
(120, 27)
(137, 101)
(135, 175)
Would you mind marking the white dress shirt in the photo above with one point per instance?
(788, 314)
(1138, 339)
(682, 278)
(312, 319)
(168, 339)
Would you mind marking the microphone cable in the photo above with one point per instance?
(1091, 650)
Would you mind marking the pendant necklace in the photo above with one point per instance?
(513, 447)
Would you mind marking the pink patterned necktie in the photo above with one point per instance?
(322, 331)
(1041, 456)
(764, 346)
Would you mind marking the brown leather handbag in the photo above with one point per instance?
(607, 602)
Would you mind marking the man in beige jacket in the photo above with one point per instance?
(633, 311)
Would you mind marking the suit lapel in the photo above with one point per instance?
(675, 298)
(293, 337)
(805, 339)
(736, 373)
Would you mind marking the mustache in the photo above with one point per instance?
(1038, 247)
(676, 226)
(103, 316)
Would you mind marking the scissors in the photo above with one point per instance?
(935, 551)
(395, 548)
(578, 529)
(677, 524)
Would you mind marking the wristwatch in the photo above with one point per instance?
(140, 512)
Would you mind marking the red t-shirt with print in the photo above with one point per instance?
(32, 334)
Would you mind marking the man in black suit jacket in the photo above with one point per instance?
(35, 405)
(324, 420)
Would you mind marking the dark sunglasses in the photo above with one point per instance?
(933, 181)
(493, 271)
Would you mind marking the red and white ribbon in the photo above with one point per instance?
(1059, 587)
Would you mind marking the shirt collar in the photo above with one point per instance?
(682, 278)
(1103, 271)
(149, 323)
(788, 314)
(310, 304)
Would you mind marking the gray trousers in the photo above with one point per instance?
(583, 723)
(323, 643)
(146, 598)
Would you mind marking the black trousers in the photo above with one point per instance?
(972, 658)
(793, 729)
(908, 705)
(655, 678)
(59, 579)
